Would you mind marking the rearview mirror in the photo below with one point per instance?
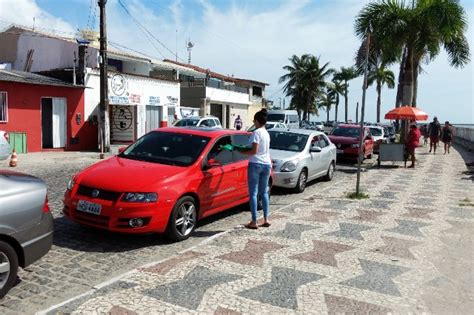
(120, 150)
(315, 149)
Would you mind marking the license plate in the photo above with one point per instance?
(339, 151)
(89, 207)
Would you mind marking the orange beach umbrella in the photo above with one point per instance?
(407, 112)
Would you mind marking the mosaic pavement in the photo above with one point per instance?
(325, 254)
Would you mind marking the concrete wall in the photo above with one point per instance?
(465, 137)
(226, 96)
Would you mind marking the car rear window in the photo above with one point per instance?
(345, 132)
(186, 122)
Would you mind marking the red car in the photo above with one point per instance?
(346, 139)
(164, 182)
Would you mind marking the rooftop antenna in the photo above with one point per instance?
(189, 47)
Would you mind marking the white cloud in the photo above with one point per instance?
(24, 11)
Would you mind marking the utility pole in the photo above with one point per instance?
(357, 113)
(104, 99)
(361, 132)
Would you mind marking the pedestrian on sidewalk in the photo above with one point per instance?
(259, 169)
(238, 123)
(447, 136)
(434, 131)
(412, 143)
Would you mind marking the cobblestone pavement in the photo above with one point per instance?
(82, 257)
(407, 249)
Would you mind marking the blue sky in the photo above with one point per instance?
(254, 39)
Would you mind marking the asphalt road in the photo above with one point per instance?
(82, 257)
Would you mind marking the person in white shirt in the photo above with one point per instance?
(260, 166)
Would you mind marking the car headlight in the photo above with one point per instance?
(354, 145)
(140, 197)
(71, 183)
(289, 166)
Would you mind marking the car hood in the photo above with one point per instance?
(343, 140)
(120, 174)
(280, 156)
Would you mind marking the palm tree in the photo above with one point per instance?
(326, 100)
(414, 33)
(381, 76)
(345, 75)
(336, 88)
(305, 79)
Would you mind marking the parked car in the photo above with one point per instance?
(289, 117)
(378, 135)
(270, 125)
(319, 126)
(26, 224)
(4, 146)
(164, 182)
(346, 139)
(196, 121)
(300, 156)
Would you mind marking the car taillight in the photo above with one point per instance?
(46, 205)
(7, 137)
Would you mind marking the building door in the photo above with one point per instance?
(216, 110)
(53, 122)
(153, 114)
(227, 119)
(122, 123)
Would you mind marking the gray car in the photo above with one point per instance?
(26, 224)
(4, 145)
(299, 156)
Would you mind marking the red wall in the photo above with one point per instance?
(24, 114)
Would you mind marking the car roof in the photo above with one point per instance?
(377, 127)
(350, 126)
(298, 131)
(201, 131)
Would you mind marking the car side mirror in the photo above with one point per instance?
(213, 163)
(120, 150)
(315, 149)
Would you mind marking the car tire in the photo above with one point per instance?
(330, 174)
(8, 260)
(302, 181)
(183, 219)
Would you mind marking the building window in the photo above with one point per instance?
(257, 91)
(3, 107)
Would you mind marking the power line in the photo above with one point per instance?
(144, 29)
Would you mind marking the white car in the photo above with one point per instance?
(4, 146)
(196, 121)
(270, 125)
(378, 134)
(300, 156)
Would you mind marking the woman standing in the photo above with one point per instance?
(259, 169)
(447, 136)
(412, 143)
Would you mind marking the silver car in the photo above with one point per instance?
(299, 156)
(26, 224)
(4, 145)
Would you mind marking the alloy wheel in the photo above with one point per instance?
(4, 269)
(185, 218)
(302, 182)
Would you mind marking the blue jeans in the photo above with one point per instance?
(258, 176)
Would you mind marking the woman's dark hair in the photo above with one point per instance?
(413, 126)
(261, 117)
(264, 110)
(446, 123)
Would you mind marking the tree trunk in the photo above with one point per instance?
(327, 113)
(379, 92)
(337, 108)
(407, 86)
(398, 99)
(416, 70)
(346, 105)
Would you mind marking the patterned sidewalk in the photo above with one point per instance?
(406, 249)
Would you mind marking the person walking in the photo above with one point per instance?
(434, 130)
(447, 136)
(412, 143)
(238, 123)
(259, 169)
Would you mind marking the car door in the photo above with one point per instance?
(326, 153)
(368, 142)
(241, 165)
(316, 161)
(219, 185)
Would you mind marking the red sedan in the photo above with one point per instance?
(164, 182)
(346, 138)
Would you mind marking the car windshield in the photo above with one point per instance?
(376, 132)
(187, 122)
(345, 132)
(166, 148)
(276, 117)
(286, 141)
